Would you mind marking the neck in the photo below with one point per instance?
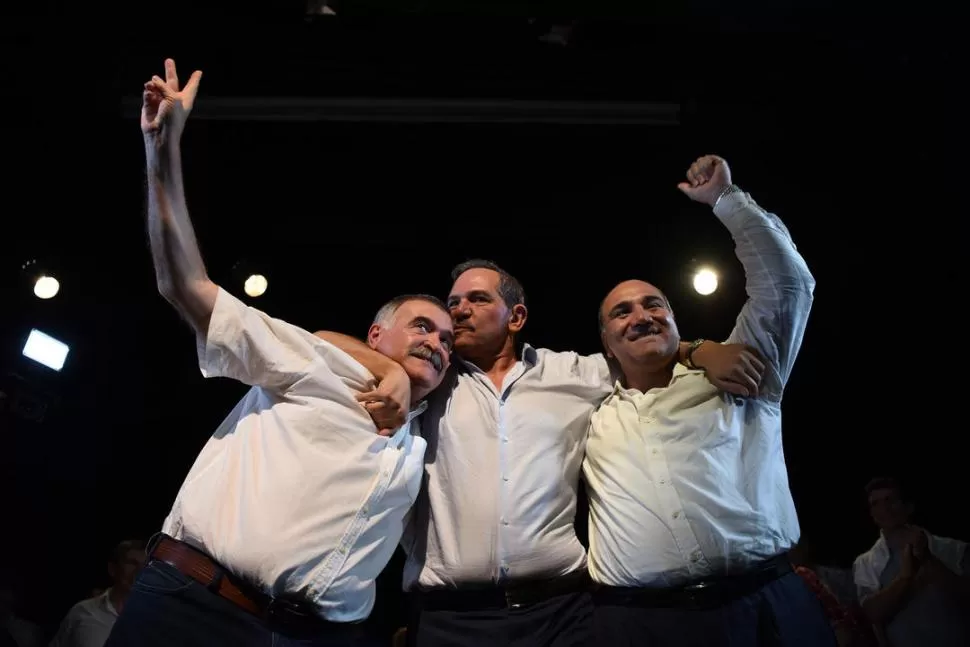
(494, 362)
(646, 377)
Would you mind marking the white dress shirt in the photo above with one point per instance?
(502, 471)
(687, 481)
(88, 623)
(295, 491)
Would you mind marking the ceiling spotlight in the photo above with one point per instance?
(46, 287)
(705, 281)
(255, 285)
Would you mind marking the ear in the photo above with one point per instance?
(374, 335)
(517, 316)
(606, 347)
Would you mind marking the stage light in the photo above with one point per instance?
(44, 349)
(255, 285)
(46, 287)
(705, 281)
(40, 276)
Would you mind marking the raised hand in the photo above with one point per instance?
(706, 179)
(165, 106)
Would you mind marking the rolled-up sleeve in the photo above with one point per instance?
(245, 344)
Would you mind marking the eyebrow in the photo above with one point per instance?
(647, 299)
(444, 333)
(473, 293)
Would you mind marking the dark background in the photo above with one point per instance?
(844, 122)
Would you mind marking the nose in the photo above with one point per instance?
(640, 315)
(461, 310)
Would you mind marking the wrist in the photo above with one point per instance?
(693, 354)
(725, 191)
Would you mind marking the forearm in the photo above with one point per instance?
(179, 270)
(881, 607)
(377, 363)
(774, 269)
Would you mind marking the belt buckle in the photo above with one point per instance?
(695, 591)
(285, 611)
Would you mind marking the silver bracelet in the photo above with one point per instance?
(728, 190)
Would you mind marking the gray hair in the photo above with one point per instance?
(386, 313)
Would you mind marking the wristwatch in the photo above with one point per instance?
(689, 359)
(728, 190)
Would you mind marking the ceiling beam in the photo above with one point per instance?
(402, 110)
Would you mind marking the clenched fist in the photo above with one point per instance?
(165, 107)
(706, 179)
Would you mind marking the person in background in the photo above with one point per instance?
(914, 586)
(89, 622)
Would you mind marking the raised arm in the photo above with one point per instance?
(778, 282)
(179, 270)
(233, 339)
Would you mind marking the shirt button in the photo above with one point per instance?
(505, 478)
(695, 556)
(676, 515)
(505, 522)
(654, 452)
(663, 481)
(505, 439)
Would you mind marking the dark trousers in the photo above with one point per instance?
(561, 621)
(782, 613)
(168, 609)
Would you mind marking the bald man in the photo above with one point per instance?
(691, 517)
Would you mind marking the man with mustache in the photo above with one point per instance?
(493, 556)
(691, 516)
(298, 500)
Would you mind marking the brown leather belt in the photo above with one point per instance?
(197, 565)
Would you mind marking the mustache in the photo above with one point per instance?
(644, 329)
(425, 353)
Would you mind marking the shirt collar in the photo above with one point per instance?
(679, 372)
(529, 356)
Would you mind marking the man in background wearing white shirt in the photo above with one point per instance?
(691, 516)
(88, 623)
(297, 502)
(913, 585)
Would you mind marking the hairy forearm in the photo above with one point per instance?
(179, 270)
(377, 363)
(175, 250)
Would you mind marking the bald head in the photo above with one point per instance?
(622, 292)
(638, 329)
